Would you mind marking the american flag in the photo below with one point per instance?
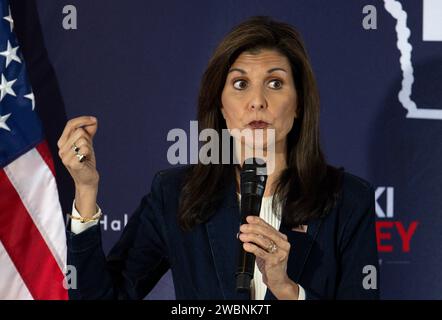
(32, 236)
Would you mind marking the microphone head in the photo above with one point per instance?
(253, 177)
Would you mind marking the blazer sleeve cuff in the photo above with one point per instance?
(89, 238)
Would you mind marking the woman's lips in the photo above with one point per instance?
(258, 124)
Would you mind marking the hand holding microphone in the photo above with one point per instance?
(259, 240)
(253, 180)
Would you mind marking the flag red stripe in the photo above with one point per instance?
(45, 153)
(26, 247)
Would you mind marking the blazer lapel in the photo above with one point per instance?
(301, 254)
(301, 246)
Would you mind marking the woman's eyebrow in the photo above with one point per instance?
(276, 69)
(268, 71)
(237, 69)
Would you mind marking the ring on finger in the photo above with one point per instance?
(81, 157)
(272, 247)
(75, 148)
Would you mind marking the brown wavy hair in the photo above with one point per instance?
(308, 187)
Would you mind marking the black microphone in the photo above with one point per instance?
(253, 183)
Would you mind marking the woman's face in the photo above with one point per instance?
(260, 93)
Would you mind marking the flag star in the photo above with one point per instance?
(6, 88)
(9, 19)
(3, 124)
(10, 54)
(31, 97)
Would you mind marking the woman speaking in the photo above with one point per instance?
(314, 237)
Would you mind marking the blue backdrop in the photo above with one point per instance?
(136, 65)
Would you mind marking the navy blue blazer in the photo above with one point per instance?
(327, 261)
